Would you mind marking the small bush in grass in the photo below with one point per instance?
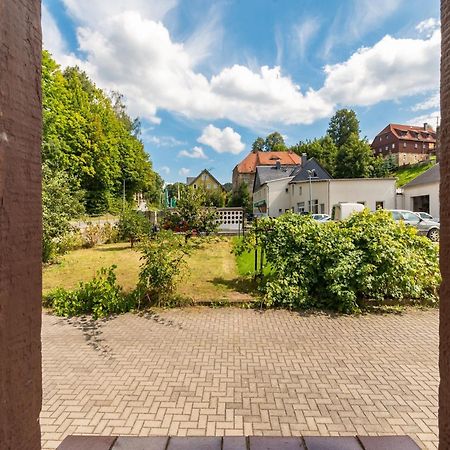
(341, 265)
(133, 226)
(99, 297)
(92, 235)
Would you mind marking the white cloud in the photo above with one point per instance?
(184, 172)
(303, 33)
(136, 55)
(222, 141)
(165, 169)
(195, 153)
(428, 26)
(93, 12)
(391, 69)
(431, 118)
(431, 102)
(53, 40)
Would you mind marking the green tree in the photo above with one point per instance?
(133, 225)
(274, 142)
(354, 159)
(342, 125)
(61, 202)
(258, 145)
(241, 198)
(192, 215)
(322, 149)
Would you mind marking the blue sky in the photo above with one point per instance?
(206, 78)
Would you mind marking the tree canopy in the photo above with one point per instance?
(88, 135)
(342, 125)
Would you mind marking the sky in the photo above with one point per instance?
(207, 77)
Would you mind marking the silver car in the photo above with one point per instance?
(424, 227)
(426, 216)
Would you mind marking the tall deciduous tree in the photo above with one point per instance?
(323, 149)
(342, 125)
(354, 158)
(258, 145)
(274, 142)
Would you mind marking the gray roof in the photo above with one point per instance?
(190, 180)
(311, 164)
(265, 174)
(432, 175)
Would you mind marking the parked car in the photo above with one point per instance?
(424, 227)
(426, 216)
(321, 217)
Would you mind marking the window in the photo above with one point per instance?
(208, 186)
(299, 190)
(404, 144)
(424, 145)
(387, 147)
(393, 145)
(195, 186)
(396, 215)
(280, 210)
(415, 145)
(322, 208)
(381, 138)
(314, 207)
(287, 190)
(379, 205)
(301, 207)
(410, 217)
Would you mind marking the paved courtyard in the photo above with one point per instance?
(201, 371)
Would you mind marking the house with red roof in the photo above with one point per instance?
(245, 171)
(408, 144)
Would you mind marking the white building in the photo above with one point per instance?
(422, 193)
(310, 188)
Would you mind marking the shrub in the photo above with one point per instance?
(340, 265)
(92, 235)
(70, 241)
(133, 225)
(99, 297)
(110, 234)
(163, 266)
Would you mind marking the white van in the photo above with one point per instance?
(343, 210)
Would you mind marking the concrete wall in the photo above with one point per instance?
(331, 192)
(431, 189)
(369, 191)
(299, 193)
(444, 322)
(20, 224)
(279, 199)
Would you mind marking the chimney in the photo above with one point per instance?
(278, 165)
(304, 159)
(425, 126)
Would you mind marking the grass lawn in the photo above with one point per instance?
(246, 263)
(213, 273)
(406, 174)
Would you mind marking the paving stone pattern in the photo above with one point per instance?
(236, 372)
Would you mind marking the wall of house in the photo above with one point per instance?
(279, 200)
(207, 182)
(299, 193)
(260, 195)
(20, 224)
(368, 191)
(431, 189)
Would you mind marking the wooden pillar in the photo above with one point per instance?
(444, 331)
(20, 224)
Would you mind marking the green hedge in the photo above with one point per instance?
(340, 265)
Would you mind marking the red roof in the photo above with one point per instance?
(409, 133)
(254, 159)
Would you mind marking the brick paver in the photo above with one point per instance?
(200, 371)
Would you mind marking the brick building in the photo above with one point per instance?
(408, 144)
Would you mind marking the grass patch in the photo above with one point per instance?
(213, 273)
(406, 174)
(246, 262)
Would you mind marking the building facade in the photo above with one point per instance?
(422, 193)
(406, 144)
(206, 181)
(245, 171)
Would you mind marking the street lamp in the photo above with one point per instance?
(311, 174)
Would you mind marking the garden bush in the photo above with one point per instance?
(99, 297)
(133, 225)
(163, 266)
(341, 265)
